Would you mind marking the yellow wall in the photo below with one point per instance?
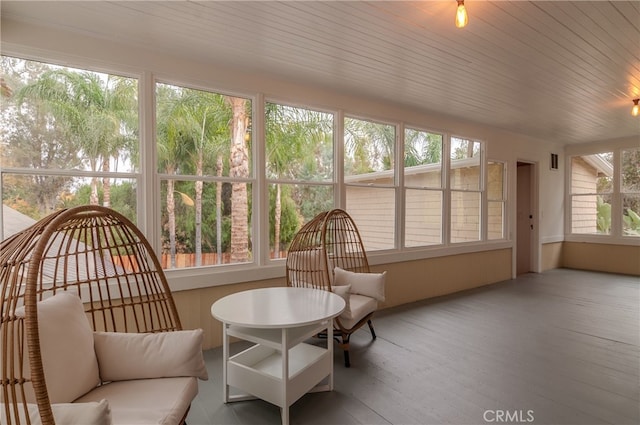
(624, 259)
(551, 256)
(405, 283)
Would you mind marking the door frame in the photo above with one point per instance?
(534, 194)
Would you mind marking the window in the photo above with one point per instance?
(591, 193)
(369, 155)
(496, 199)
(630, 191)
(204, 164)
(423, 188)
(605, 193)
(465, 184)
(69, 137)
(299, 167)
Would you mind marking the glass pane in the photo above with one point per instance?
(495, 220)
(465, 216)
(465, 164)
(297, 204)
(369, 151)
(591, 214)
(205, 223)
(68, 118)
(28, 198)
(631, 170)
(373, 210)
(201, 133)
(422, 159)
(423, 221)
(495, 181)
(299, 143)
(592, 173)
(631, 215)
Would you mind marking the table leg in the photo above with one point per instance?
(285, 377)
(225, 362)
(330, 349)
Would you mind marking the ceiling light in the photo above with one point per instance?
(461, 15)
(636, 109)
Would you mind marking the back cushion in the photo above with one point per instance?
(66, 346)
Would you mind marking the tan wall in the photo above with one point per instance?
(624, 259)
(551, 256)
(406, 282)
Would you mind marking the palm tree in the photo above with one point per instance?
(98, 114)
(369, 145)
(239, 168)
(172, 151)
(202, 118)
(291, 134)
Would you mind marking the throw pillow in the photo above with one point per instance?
(368, 284)
(66, 346)
(123, 356)
(345, 292)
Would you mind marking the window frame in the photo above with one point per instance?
(616, 236)
(148, 183)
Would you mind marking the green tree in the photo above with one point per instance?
(98, 114)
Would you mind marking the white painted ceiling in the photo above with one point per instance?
(561, 71)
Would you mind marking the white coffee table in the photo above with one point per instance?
(277, 320)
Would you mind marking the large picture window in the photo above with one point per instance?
(465, 182)
(69, 137)
(423, 188)
(299, 168)
(215, 176)
(591, 193)
(204, 164)
(369, 176)
(605, 193)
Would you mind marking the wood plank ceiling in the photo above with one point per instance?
(561, 71)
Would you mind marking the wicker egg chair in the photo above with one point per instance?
(97, 254)
(331, 239)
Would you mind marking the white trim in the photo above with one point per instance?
(552, 239)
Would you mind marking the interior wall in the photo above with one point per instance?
(624, 259)
(551, 256)
(405, 283)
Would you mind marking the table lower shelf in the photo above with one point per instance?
(258, 371)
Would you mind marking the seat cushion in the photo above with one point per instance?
(146, 401)
(360, 306)
(95, 413)
(150, 355)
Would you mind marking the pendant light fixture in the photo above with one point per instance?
(461, 15)
(636, 109)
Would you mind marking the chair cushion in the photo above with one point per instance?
(150, 355)
(94, 413)
(361, 305)
(369, 284)
(146, 401)
(345, 292)
(66, 346)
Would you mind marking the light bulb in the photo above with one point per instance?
(461, 15)
(636, 109)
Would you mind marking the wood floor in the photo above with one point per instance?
(561, 347)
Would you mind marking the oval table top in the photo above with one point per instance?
(278, 307)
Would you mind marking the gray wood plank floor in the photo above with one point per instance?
(560, 347)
